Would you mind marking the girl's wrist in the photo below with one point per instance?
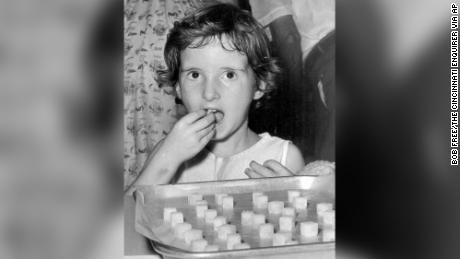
(169, 158)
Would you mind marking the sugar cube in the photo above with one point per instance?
(227, 203)
(290, 212)
(257, 220)
(322, 207)
(200, 209)
(211, 248)
(218, 221)
(275, 207)
(328, 235)
(218, 198)
(328, 218)
(279, 239)
(210, 215)
(192, 234)
(261, 202)
(266, 231)
(300, 203)
(308, 229)
(246, 217)
(241, 246)
(255, 194)
(167, 214)
(292, 194)
(286, 223)
(232, 240)
(176, 218)
(225, 230)
(199, 245)
(181, 228)
(193, 198)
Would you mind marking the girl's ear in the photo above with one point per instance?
(260, 90)
(178, 93)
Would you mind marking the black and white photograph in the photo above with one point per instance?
(261, 129)
(229, 128)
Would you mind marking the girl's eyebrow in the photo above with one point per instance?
(234, 68)
(187, 69)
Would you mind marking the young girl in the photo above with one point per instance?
(219, 62)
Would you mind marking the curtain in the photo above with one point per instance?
(149, 110)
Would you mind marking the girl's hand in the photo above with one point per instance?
(270, 168)
(190, 135)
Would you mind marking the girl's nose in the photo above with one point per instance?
(210, 92)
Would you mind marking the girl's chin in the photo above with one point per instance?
(219, 135)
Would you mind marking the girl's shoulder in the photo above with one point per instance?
(291, 157)
(267, 138)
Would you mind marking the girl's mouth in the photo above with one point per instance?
(217, 113)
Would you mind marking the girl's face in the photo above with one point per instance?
(212, 77)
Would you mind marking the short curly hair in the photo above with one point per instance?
(245, 34)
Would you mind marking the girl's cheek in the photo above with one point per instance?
(226, 83)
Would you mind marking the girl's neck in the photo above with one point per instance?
(239, 141)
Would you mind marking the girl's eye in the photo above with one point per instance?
(194, 75)
(230, 75)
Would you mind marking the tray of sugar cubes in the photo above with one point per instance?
(279, 217)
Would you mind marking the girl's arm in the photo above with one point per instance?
(294, 161)
(160, 167)
(188, 137)
(273, 168)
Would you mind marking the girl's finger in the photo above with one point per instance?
(278, 168)
(261, 170)
(206, 131)
(194, 116)
(203, 122)
(207, 137)
(251, 174)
